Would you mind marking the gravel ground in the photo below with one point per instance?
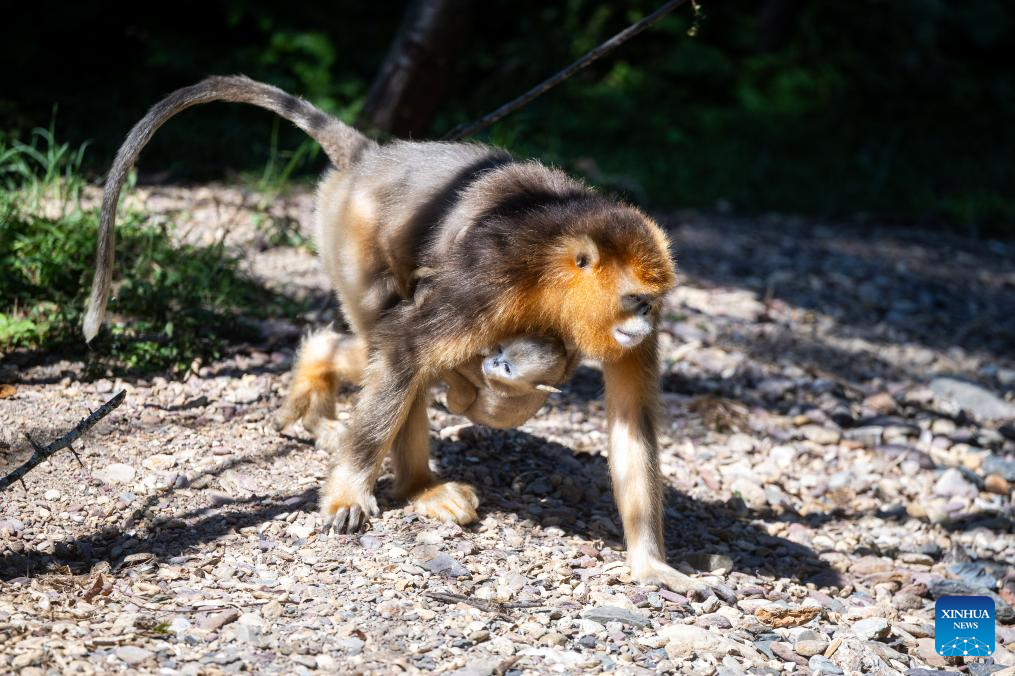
(838, 447)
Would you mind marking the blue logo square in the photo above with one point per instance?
(964, 626)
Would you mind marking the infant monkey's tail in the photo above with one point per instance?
(342, 143)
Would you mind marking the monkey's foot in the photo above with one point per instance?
(285, 416)
(655, 571)
(346, 503)
(449, 501)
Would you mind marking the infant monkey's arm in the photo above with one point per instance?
(462, 391)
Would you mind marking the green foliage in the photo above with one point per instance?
(175, 303)
(42, 170)
(282, 164)
(897, 108)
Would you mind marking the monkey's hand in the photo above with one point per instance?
(347, 501)
(449, 501)
(346, 505)
(461, 392)
(657, 571)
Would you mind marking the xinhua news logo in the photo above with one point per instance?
(964, 626)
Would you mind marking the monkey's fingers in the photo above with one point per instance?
(345, 506)
(356, 518)
(337, 521)
(450, 501)
(347, 520)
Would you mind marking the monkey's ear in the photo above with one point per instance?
(547, 388)
(584, 252)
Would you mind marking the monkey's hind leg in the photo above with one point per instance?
(414, 482)
(390, 415)
(312, 394)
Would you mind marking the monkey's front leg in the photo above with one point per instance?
(632, 402)
(389, 391)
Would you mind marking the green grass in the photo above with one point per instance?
(172, 305)
(277, 175)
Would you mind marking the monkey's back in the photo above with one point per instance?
(393, 211)
(417, 188)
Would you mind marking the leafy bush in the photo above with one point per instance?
(897, 108)
(175, 303)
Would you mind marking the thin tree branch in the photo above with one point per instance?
(43, 452)
(463, 130)
(498, 609)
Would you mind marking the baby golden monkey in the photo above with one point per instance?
(500, 388)
(517, 249)
(506, 387)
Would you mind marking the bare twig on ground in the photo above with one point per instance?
(498, 609)
(44, 452)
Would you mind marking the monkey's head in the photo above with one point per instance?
(604, 275)
(526, 362)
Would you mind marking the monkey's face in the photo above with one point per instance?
(611, 280)
(526, 362)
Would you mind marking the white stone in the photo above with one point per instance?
(160, 461)
(116, 473)
(684, 639)
(133, 655)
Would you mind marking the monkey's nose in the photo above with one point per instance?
(633, 301)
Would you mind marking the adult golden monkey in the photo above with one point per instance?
(514, 248)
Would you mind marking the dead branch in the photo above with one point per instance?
(44, 452)
(463, 130)
(498, 609)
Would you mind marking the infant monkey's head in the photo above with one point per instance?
(527, 362)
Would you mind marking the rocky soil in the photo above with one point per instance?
(838, 450)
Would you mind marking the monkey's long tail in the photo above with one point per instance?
(342, 143)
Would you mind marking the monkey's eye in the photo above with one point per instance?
(582, 260)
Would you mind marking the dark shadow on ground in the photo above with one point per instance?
(514, 472)
(548, 483)
(887, 285)
(80, 554)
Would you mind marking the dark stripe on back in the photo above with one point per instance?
(425, 224)
(530, 200)
(288, 103)
(318, 119)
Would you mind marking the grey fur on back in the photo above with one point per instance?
(340, 142)
(418, 183)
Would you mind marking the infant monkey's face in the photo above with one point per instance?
(526, 362)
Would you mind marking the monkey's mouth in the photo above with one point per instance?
(629, 336)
